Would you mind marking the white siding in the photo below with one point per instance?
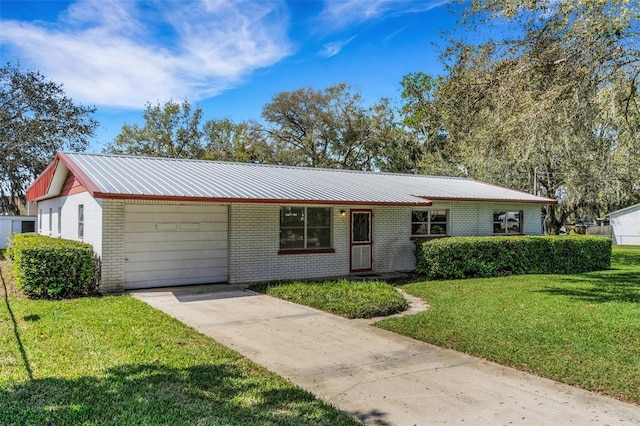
(69, 231)
(626, 226)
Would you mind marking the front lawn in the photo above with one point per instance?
(351, 299)
(581, 329)
(115, 360)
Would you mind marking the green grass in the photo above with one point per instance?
(582, 329)
(351, 299)
(117, 361)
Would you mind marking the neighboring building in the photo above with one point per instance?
(15, 225)
(626, 225)
(160, 222)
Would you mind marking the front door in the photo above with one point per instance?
(361, 240)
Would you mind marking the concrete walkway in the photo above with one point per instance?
(381, 377)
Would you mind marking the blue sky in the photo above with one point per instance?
(228, 57)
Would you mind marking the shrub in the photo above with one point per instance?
(49, 267)
(470, 257)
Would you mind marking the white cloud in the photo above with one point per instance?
(119, 54)
(333, 48)
(338, 14)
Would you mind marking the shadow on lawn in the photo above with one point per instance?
(156, 394)
(600, 287)
(16, 332)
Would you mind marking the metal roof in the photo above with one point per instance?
(117, 176)
(624, 210)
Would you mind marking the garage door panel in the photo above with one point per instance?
(160, 282)
(174, 208)
(184, 264)
(169, 245)
(172, 217)
(177, 237)
(142, 227)
(195, 273)
(164, 256)
(175, 246)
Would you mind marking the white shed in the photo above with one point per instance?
(626, 225)
(15, 225)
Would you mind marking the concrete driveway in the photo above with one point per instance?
(381, 377)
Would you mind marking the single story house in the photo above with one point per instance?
(15, 225)
(625, 225)
(163, 222)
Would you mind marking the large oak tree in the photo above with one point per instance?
(36, 120)
(552, 103)
(322, 128)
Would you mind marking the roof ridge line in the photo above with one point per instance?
(282, 166)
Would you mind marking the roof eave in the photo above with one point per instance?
(497, 200)
(624, 210)
(223, 200)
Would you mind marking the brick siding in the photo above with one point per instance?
(112, 246)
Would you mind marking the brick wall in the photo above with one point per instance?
(254, 242)
(476, 218)
(254, 232)
(112, 246)
(392, 245)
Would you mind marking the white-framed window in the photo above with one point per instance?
(305, 228)
(429, 223)
(59, 221)
(80, 221)
(50, 220)
(507, 222)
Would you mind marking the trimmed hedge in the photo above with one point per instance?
(46, 267)
(474, 257)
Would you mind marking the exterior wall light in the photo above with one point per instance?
(343, 213)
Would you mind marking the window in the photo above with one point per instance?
(81, 221)
(50, 220)
(28, 226)
(507, 222)
(305, 228)
(59, 221)
(429, 222)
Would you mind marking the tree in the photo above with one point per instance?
(36, 120)
(323, 128)
(170, 130)
(398, 150)
(241, 142)
(177, 131)
(555, 101)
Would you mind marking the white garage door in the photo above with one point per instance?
(168, 245)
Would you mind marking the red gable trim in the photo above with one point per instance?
(40, 186)
(84, 180)
(71, 186)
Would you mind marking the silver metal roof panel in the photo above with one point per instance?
(116, 175)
